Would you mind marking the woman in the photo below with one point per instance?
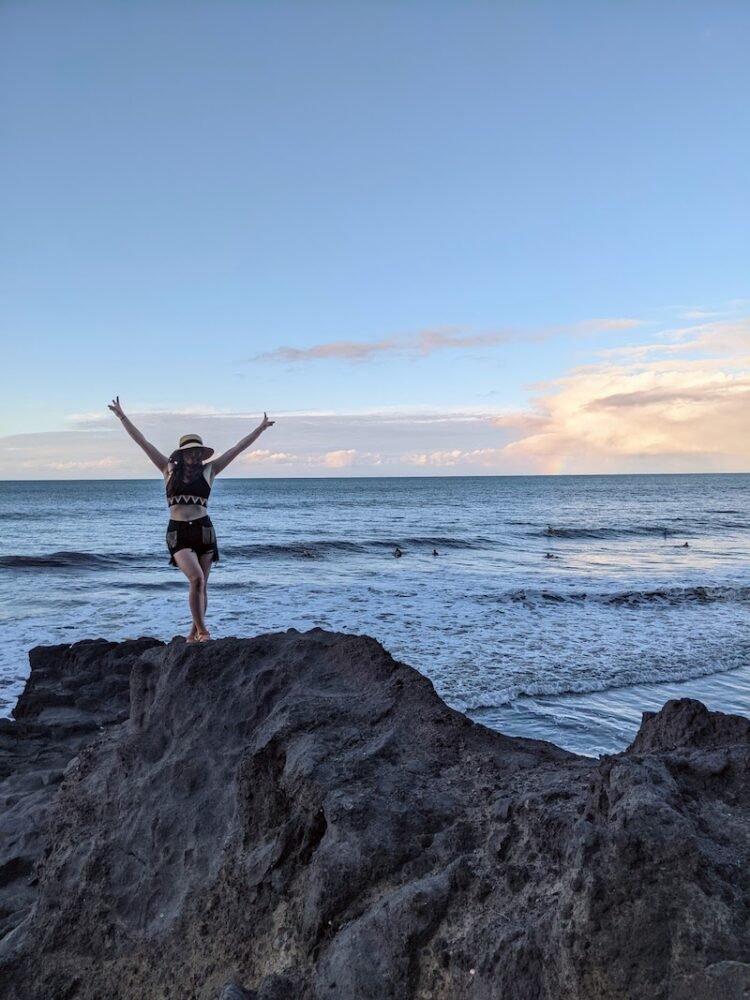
(191, 538)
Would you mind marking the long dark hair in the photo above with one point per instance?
(177, 476)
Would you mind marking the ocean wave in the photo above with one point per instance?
(671, 596)
(644, 530)
(317, 549)
(30, 515)
(432, 542)
(678, 595)
(644, 675)
(669, 528)
(179, 582)
(67, 560)
(294, 549)
(337, 546)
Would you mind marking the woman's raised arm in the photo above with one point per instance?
(220, 463)
(159, 460)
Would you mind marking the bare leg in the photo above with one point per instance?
(206, 560)
(188, 562)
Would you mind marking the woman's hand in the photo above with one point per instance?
(220, 463)
(159, 460)
(115, 407)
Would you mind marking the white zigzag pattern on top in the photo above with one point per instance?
(187, 498)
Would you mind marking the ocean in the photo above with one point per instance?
(557, 607)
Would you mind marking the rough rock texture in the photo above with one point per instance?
(73, 693)
(688, 723)
(299, 816)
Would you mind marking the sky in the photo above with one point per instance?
(428, 238)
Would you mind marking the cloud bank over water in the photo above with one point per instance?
(679, 405)
(676, 401)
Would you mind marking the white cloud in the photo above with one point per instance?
(337, 459)
(701, 314)
(479, 457)
(262, 456)
(97, 463)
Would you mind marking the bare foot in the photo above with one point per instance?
(202, 635)
(192, 635)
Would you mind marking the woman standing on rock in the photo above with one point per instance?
(191, 538)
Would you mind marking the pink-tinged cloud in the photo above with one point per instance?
(339, 459)
(605, 324)
(689, 419)
(426, 342)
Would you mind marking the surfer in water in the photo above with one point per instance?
(188, 475)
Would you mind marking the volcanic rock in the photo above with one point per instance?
(300, 816)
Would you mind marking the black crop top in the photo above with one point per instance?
(197, 491)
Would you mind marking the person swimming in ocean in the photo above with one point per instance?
(188, 475)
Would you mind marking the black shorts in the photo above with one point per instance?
(198, 535)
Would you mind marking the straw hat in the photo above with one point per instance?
(193, 441)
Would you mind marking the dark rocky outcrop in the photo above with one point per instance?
(299, 816)
(73, 693)
(688, 724)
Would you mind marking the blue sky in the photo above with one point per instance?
(446, 213)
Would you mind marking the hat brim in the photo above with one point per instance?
(205, 452)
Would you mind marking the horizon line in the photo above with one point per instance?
(488, 475)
